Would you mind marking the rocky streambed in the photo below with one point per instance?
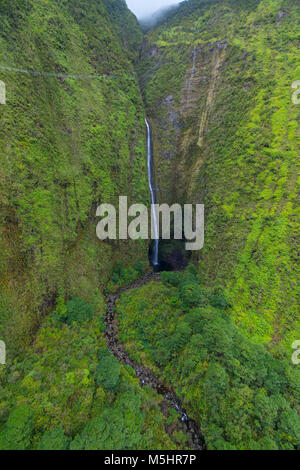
(146, 376)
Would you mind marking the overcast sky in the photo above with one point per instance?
(143, 8)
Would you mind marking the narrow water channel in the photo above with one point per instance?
(146, 376)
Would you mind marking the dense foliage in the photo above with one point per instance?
(66, 145)
(68, 391)
(217, 79)
(242, 396)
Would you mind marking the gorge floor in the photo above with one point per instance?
(147, 377)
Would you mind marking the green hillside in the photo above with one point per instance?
(226, 134)
(243, 397)
(66, 145)
(102, 353)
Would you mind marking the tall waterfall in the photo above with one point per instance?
(154, 259)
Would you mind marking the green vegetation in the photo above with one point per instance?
(68, 391)
(108, 371)
(75, 310)
(66, 145)
(16, 433)
(228, 137)
(123, 276)
(117, 428)
(242, 396)
(54, 440)
(214, 77)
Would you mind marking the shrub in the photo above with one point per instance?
(171, 278)
(108, 371)
(124, 276)
(192, 295)
(54, 440)
(218, 299)
(139, 267)
(77, 310)
(119, 427)
(16, 433)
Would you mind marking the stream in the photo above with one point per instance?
(146, 376)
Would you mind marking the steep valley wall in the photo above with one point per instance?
(217, 79)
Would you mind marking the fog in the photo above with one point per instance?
(143, 9)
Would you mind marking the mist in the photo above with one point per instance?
(145, 9)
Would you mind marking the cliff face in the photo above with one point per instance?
(216, 78)
(217, 82)
(67, 143)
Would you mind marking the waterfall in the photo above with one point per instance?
(153, 198)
